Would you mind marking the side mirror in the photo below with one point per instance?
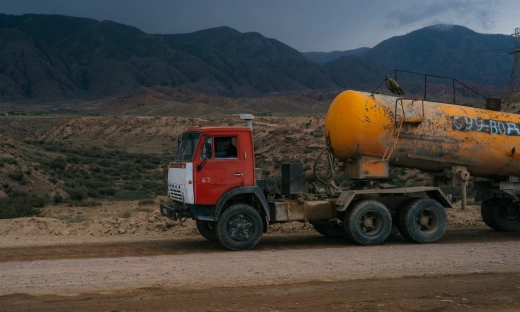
(206, 153)
(209, 151)
(201, 165)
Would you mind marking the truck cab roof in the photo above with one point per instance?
(219, 129)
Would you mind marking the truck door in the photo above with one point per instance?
(220, 167)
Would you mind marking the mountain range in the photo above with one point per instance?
(52, 57)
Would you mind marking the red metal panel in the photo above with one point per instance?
(218, 175)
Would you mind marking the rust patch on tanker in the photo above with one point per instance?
(513, 154)
(428, 138)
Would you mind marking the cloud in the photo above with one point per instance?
(444, 11)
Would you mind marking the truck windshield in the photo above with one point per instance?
(187, 146)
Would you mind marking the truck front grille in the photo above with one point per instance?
(176, 192)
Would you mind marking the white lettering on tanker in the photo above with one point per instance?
(488, 126)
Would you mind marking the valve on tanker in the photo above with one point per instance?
(464, 176)
(461, 177)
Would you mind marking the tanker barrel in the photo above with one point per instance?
(368, 130)
(493, 104)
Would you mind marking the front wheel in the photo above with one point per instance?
(423, 221)
(368, 222)
(239, 227)
(207, 230)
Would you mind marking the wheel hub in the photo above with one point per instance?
(240, 227)
(368, 222)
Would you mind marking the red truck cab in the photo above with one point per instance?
(213, 173)
(216, 172)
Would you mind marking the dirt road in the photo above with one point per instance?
(473, 267)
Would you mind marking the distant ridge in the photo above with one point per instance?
(52, 57)
(325, 57)
(443, 50)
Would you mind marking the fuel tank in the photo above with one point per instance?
(424, 135)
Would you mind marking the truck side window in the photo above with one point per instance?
(226, 147)
(207, 148)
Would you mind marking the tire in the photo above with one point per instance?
(397, 226)
(331, 230)
(506, 215)
(423, 221)
(239, 227)
(400, 226)
(368, 222)
(487, 209)
(207, 230)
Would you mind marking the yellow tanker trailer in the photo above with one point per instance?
(371, 132)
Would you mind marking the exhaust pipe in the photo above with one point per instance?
(249, 120)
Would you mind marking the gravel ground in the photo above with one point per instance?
(227, 269)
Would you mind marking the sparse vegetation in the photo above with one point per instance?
(21, 205)
(95, 173)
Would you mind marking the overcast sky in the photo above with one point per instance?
(306, 25)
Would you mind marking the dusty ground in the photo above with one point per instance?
(123, 257)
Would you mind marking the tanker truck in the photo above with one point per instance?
(233, 203)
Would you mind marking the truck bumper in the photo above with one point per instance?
(175, 212)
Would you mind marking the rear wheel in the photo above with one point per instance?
(239, 227)
(207, 230)
(423, 221)
(330, 230)
(506, 215)
(487, 209)
(368, 222)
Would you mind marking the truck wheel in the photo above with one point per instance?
(487, 209)
(207, 230)
(368, 222)
(506, 215)
(330, 230)
(239, 227)
(423, 221)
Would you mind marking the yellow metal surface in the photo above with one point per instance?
(425, 135)
(366, 167)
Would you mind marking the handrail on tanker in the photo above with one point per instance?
(425, 83)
